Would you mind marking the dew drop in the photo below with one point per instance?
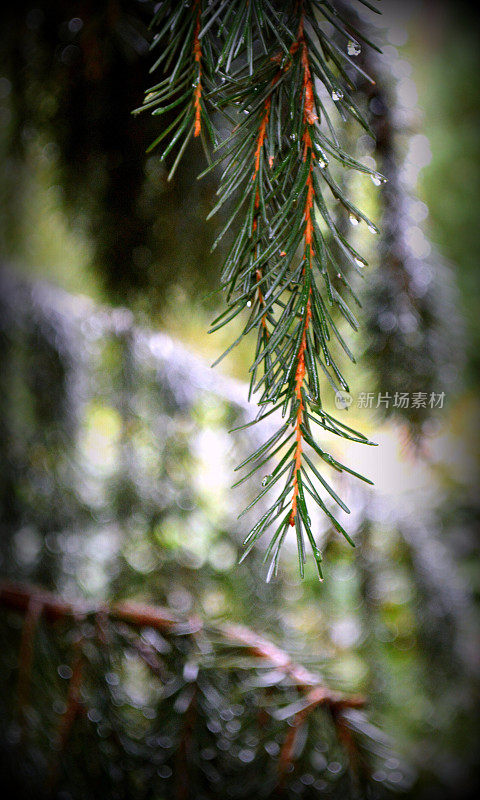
(337, 94)
(360, 263)
(372, 229)
(378, 179)
(323, 160)
(266, 480)
(353, 48)
(249, 303)
(75, 25)
(354, 220)
(65, 671)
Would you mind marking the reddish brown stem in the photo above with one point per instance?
(309, 118)
(261, 136)
(23, 597)
(18, 597)
(184, 750)
(299, 378)
(72, 709)
(33, 611)
(260, 142)
(315, 698)
(73, 699)
(197, 51)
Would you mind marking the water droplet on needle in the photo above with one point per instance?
(353, 48)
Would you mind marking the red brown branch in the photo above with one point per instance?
(73, 708)
(54, 608)
(22, 598)
(18, 597)
(33, 611)
(184, 751)
(73, 699)
(315, 698)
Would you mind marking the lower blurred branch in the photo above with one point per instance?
(21, 597)
(33, 611)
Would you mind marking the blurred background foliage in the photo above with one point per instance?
(116, 462)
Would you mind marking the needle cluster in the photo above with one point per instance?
(278, 72)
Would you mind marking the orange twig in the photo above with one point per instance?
(299, 378)
(260, 142)
(309, 107)
(309, 118)
(197, 50)
(261, 135)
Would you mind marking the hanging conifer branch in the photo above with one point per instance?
(271, 68)
(182, 90)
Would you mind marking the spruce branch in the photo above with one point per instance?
(197, 669)
(184, 61)
(271, 68)
(51, 607)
